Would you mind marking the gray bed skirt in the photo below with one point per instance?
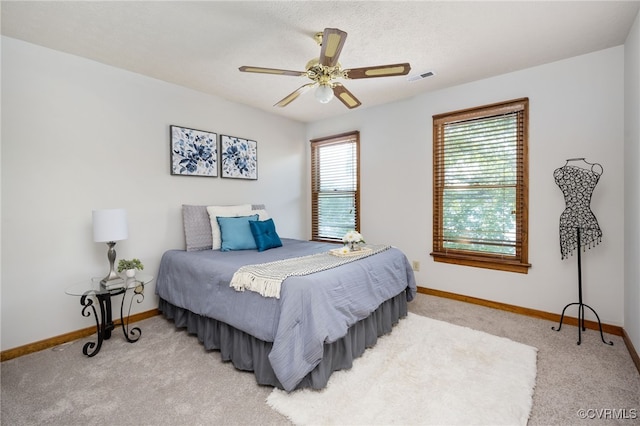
(251, 354)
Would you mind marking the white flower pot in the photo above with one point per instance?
(131, 273)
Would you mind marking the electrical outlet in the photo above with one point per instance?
(415, 265)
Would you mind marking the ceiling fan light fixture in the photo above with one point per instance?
(324, 93)
(324, 70)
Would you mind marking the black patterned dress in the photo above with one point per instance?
(577, 185)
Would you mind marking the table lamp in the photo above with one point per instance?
(110, 225)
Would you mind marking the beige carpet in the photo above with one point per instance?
(167, 378)
(425, 372)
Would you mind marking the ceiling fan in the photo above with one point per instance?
(323, 71)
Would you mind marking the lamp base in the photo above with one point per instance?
(111, 255)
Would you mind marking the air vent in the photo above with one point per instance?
(420, 76)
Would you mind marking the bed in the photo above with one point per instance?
(319, 323)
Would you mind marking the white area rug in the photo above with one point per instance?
(426, 372)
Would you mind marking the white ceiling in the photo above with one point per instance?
(201, 44)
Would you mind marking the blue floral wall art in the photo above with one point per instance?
(193, 152)
(238, 158)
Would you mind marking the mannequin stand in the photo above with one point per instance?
(581, 305)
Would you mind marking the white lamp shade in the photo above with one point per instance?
(324, 93)
(110, 225)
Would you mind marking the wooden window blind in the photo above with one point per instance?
(335, 186)
(480, 186)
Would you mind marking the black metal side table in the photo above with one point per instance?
(92, 291)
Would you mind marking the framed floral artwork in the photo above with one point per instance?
(238, 158)
(193, 152)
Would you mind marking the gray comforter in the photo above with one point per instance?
(312, 309)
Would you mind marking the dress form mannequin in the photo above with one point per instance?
(578, 225)
(577, 180)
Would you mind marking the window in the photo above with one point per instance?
(335, 186)
(480, 186)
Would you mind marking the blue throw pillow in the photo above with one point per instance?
(264, 233)
(235, 233)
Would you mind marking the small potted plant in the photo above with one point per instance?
(130, 266)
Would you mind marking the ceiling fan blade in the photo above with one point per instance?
(378, 71)
(294, 95)
(275, 71)
(345, 96)
(332, 41)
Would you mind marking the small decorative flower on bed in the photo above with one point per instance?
(352, 241)
(344, 250)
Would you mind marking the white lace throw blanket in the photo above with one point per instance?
(267, 278)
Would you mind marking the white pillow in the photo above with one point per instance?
(262, 214)
(225, 211)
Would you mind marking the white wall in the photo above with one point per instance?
(78, 135)
(576, 110)
(632, 184)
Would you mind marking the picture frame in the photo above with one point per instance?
(193, 152)
(238, 158)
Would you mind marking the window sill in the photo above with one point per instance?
(482, 262)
